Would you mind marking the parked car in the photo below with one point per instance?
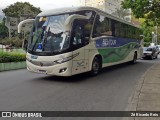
(150, 52)
(158, 47)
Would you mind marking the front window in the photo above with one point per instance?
(149, 49)
(102, 26)
(49, 35)
(145, 48)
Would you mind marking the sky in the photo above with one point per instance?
(43, 4)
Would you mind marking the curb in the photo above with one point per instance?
(12, 66)
(134, 98)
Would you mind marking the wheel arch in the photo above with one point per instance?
(99, 57)
(135, 52)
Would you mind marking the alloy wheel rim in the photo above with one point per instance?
(95, 67)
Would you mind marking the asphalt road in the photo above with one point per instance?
(21, 90)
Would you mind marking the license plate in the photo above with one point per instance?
(34, 57)
(42, 71)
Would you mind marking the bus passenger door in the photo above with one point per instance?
(79, 42)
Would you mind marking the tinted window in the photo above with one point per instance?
(102, 26)
(119, 29)
(105, 26)
(80, 33)
(149, 49)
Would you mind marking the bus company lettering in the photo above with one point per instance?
(108, 42)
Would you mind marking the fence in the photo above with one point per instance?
(10, 59)
(11, 49)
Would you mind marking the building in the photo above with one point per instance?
(110, 6)
(12, 24)
(95, 3)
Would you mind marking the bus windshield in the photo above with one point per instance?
(49, 35)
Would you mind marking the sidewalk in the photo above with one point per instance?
(147, 94)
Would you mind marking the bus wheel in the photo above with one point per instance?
(134, 58)
(96, 66)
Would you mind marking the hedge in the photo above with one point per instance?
(6, 57)
(15, 41)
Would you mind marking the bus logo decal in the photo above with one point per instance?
(114, 42)
(62, 60)
(80, 63)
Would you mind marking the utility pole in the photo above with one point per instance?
(156, 36)
(156, 31)
(153, 36)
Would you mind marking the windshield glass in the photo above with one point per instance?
(149, 49)
(158, 46)
(49, 33)
(145, 48)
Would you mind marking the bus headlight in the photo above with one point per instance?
(63, 60)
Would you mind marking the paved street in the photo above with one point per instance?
(146, 96)
(110, 91)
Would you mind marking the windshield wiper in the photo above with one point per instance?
(36, 42)
(45, 38)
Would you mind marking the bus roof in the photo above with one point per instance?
(74, 9)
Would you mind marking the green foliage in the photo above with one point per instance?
(1, 18)
(146, 44)
(15, 41)
(19, 8)
(6, 57)
(147, 32)
(148, 9)
(121, 13)
(139, 7)
(3, 30)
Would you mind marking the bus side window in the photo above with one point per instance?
(77, 35)
(81, 33)
(102, 26)
(113, 22)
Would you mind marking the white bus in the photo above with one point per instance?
(69, 41)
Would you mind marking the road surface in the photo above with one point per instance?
(21, 90)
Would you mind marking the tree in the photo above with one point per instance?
(121, 13)
(3, 30)
(147, 32)
(19, 8)
(148, 9)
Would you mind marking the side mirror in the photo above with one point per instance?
(23, 22)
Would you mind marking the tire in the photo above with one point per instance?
(134, 58)
(156, 56)
(152, 57)
(96, 66)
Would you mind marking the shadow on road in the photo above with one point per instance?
(86, 76)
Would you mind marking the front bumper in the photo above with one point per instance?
(147, 55)
(58, 69)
